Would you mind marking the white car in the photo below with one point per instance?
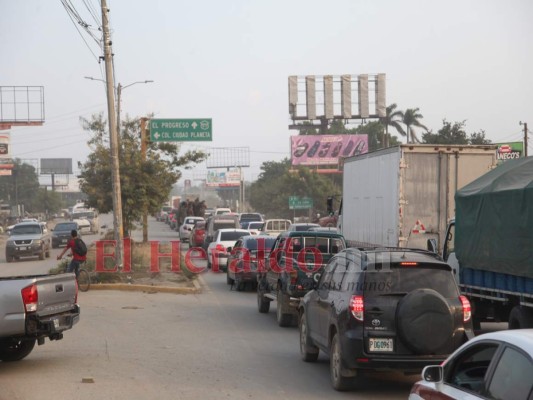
(217, 249)
(186, 228)
(255, 227)
(497, 365)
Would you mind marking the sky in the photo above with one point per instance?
(230, 60)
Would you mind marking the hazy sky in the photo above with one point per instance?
(229, 60)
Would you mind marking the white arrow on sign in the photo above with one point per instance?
(194, 124)
(156, 135)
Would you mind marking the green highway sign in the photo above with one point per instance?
(300, 203)
(181, 130)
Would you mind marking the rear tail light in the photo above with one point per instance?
(467, 309)
(357, 307)
(30, 298)
(220, 247)
(408, 264)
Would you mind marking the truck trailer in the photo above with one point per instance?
(391, 197)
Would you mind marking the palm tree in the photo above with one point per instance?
(393, 118)
(411, 118)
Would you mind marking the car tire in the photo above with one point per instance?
(42, 254)
(229, 281)
(263, 304)
(9, 258)
(338, 380)
(520, 318)
(308, 351)
(282, 301)
(15, 349)
(425, 322)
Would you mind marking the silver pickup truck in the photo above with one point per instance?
(33, 308)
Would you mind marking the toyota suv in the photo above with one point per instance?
(383, 309)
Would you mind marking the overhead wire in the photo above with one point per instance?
(72, 18)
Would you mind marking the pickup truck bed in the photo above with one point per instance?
(33, 308)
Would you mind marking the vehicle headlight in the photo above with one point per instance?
(37, 242)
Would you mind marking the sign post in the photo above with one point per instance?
(181, 130)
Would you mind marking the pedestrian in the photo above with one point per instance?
(74, 265)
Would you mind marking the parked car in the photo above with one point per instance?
(28, 239)
(161, 216)
(197, 236)
(217, 222)
(302, 226)
(497, 365)
(61, 233)
(217, 251)
(247, 256)
(186, 228)
(383, 309)
(274, 227)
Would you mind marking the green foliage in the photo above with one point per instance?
(46, 201)
(411, 118)
(454, 133)
(394, 119)
(144, 184)
(270, 193)
(21, 187)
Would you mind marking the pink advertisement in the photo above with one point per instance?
(326, 149)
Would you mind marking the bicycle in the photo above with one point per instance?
(83, 278)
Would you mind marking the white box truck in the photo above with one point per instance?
(392, 196)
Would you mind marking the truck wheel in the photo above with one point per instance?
(229, 281)
(41, 254)
(282, 302)
(9, 258)
(338, 380)
(308, 351)
(263, 305)
(15, 349)
(521, 318)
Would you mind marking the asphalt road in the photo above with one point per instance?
(213, 345)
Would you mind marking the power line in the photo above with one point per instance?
(67, 8)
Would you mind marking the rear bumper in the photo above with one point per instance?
(52, 325)
(355, 356)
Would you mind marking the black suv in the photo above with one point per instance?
(383, 309)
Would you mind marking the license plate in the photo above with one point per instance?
(22, 248)
(380, 344)
(64, 241)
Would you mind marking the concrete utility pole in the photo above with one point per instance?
(143, 158)
(113, 137)
(525, 137)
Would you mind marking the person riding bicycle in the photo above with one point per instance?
(74, 265)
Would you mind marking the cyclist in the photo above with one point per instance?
(74, 265)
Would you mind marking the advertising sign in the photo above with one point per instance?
(226, 178)
(509, 151)
(326, 149)
(5, 152)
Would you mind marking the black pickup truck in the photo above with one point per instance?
(294, 262)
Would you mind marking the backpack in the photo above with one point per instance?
(79, 247)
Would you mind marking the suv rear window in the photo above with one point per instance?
(403, 280)
(223, 225)
(231, 235)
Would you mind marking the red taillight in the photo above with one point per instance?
(467, 309)
(220, 247)
(30, 298)
(76, 297)
(357, 307)
(408, 264)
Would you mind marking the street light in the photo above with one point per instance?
(120, 88)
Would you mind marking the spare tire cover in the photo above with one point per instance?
(424, 321)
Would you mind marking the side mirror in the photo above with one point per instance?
(433, 373)
(432, 245)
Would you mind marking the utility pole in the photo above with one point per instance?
(143, 160)
(113, 137)
(524, 124)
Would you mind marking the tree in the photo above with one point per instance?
(393, 118)
(270, 193)
(411, 118)
(145, 184)
(454, 133)
(21, 187)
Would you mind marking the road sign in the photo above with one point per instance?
(300, 203)
(181, 130)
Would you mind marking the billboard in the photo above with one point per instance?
(226, 178)
(509, 151)
(5, 152)
(326, 149)
(56, 166)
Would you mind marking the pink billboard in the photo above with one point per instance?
(326, 149)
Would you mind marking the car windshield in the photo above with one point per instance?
(26, 230)
(223, 225)
(190, 221)
(65, 227)
(234, 235)
(401, 279)
(87, 214)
